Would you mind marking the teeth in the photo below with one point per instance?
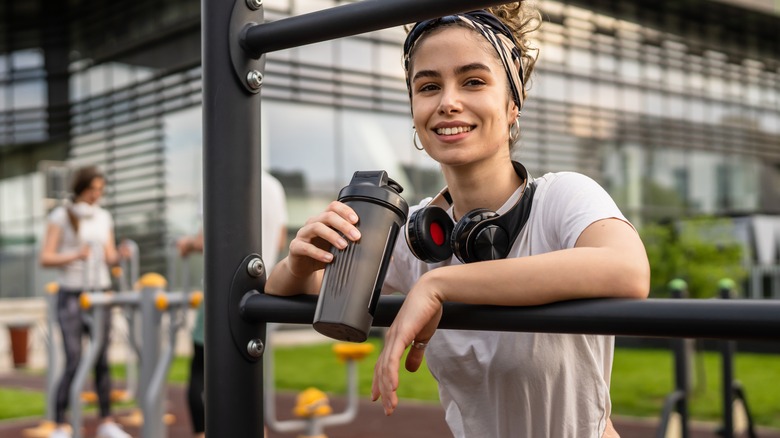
(453, 131)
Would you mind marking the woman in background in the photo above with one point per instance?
(80, 242)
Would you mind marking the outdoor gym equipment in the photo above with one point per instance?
(313, 407)
(152, 301)
(54, 361)
(675, 416)
(235, 40)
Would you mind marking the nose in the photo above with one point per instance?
(450, 102)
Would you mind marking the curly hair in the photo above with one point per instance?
(522, 18)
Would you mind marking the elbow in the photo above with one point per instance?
(635, 281)
(45, 262)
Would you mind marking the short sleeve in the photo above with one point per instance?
(575, 201)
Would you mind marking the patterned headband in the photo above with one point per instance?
(497, 34)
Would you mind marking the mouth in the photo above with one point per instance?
(454, 130)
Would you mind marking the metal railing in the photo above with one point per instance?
(236, 310)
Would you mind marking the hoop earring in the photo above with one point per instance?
(514, 131)
(414, 140)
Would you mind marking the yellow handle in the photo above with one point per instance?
(348, 351)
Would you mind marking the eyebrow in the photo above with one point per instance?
(458, 71)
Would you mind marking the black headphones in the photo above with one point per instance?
(479, 235)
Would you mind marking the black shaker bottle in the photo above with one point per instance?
(353, 280)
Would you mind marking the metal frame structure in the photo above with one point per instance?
(235, 39)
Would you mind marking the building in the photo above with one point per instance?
(673, 106)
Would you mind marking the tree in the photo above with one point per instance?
(700, 251)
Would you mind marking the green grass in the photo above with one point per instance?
(641, 379)
(17, 403)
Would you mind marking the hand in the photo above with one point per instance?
(416, 321)
(310, 249)
(124, 250)
(184, 246)
(83, 253)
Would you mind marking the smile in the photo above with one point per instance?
(453, 131)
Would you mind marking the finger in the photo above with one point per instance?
(301, 248)
(343, 224)
(415, 356)
(344, 211)
(387, 372)
(374, 388)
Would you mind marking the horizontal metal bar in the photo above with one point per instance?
(350, 19)
(668, 318)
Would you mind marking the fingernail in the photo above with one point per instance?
(328, 257)
(354, 234)
(353, 217)
(342, 243)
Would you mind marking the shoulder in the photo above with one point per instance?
(566, 181)
(270, 182)
(566, 187)
(58, 216)
(103, 215)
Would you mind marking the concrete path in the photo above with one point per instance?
(411, 420)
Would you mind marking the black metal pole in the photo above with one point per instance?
(231, 188)
(350, 19)
(682, 371)
(727, 358)
(705, 319)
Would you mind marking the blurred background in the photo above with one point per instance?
(672, 105)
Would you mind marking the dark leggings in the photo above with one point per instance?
(195, 390)
(73, 328)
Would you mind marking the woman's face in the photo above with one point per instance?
(93, 193)
(460, 100)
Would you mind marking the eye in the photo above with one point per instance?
(474, 82)
(427, 87)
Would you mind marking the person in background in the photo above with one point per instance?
(467, 77)
(274, 206)
(79, 241)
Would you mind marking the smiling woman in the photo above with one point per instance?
(494, 236)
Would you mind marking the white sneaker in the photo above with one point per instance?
(61, 432)
(111, 430)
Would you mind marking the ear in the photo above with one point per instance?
(512, 111)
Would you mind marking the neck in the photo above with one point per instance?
(481, 185)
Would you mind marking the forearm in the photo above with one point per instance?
(282, 281)
(557, 276)
(56, 260)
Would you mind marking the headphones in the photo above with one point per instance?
(479, 235)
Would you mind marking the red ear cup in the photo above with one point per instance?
(428, 234)
(472, 237)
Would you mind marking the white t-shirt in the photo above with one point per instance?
(95, 226)
(274, 205)
(506, 384)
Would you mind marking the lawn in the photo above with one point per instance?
(641, 379)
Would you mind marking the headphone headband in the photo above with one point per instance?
(479, 235)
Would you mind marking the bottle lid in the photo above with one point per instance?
(376, 186)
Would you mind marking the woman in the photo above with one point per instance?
(466, 75)
(80, 242)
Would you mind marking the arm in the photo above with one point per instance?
(608, 260)
(302, 270)
(282, 238)
(110, 251)
(187, 244)
(50, 258)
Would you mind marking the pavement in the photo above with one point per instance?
(411, 420)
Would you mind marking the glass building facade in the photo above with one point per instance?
(673, 106)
